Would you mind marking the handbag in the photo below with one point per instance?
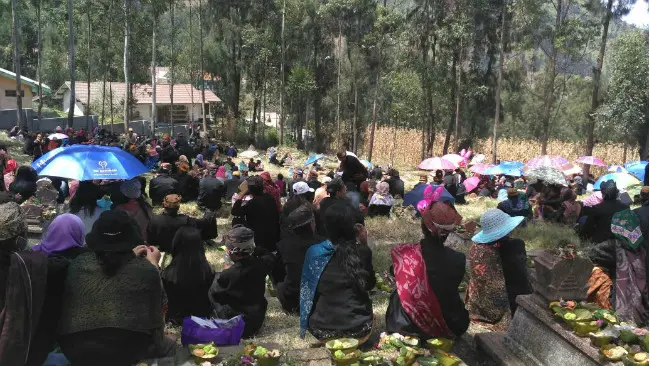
(223, 332)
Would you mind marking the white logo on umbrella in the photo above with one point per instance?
(102, 164)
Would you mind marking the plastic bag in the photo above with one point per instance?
(220, 331)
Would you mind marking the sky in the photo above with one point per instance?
(638, 15)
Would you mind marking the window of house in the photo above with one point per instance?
(12, 93)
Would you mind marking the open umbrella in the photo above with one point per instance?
(637, 168)
(477, 159)
(366, 163)
(248, 154)
(571, 169)
(591, 160)
(509, 168)
(436, 164)
(314, 158)
(471, 183)
(417, 194)
(59, 136)
(480, 168)
(623, 180)
(547, 160)
(547, 174)
(456, 159)
(617, 169)
(89, 162)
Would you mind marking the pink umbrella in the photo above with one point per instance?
(436, 164)
(571, 169)
(593, 200)
(471, 183)
(480, 168)
(554, 161)
(591, 160)
(456, 159)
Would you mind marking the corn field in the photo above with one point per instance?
(402, 147)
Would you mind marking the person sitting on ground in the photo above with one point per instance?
(260, 214)
(9, 173)
(239, 288)
(321, 192)
(251, 165)
(337, 191)
(312, 180)
(437, 178)
(569, 209)
(187, 279)
(221, 173)
(88, 203)
(599, 217)
(259, 167)
(292, 248)
(336, 277)
(271, 189)
(188, 183)
(134, 205)
(162, 185)
(162, 228)
(549, 201)
(395, 184)
(24, 186)
(516, 204)
(297, 177)
(353, 171)
(273, 159)
(282, 185)
(123, 322)
(302, 197)
(436, 309)
(168, 154)
(303, 189)
(211, 191)
(499, 271)
(232, 185)
(381, 201)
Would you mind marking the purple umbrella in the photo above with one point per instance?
(554, 161)
(591, 160)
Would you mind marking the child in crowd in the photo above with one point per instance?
(239, 288)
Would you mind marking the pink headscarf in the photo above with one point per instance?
(430, 195)
(221, 172)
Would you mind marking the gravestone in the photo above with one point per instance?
(534, 336)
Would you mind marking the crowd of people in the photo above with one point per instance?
(94, 285)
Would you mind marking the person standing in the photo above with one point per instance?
(353, 171)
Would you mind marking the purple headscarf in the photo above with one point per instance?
(65, 232)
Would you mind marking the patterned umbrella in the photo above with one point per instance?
(591, 160)
(571, 169)
(622, 180)
(547, 160)
(456, 159)
(436, 164)
(477, 159)
(547, 174)
(480, 168)
(617, 169)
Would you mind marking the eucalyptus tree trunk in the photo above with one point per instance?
(338, 93)
(550, 77)
(374, 118)
(71, 52)
(127, 88)
(282, 91)
(87, 111)
(497, 95)
(19, 86)
(171, 68)
(154, 113)
(205, 124)
(40, 61)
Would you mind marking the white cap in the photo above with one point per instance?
(301, 188)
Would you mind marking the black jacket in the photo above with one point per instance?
(161, 186)
(353, 171)
(445, 270)
(169, 155)
(597, 228)
(292, 251)
(162, 228)
(186, 299)
(260, 214)
(240, 290)
(232, 186)
(211, 191)
(188, 187)
(515, 271)
(395, 186)
(339, 303)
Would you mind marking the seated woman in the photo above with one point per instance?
(188, 183)
(381, 201)
(188, 277)
(516, 204)
(259, 167)
(24, 185)
(570, 209)
(129, 199)
(336, 278)
(499, 272)
(549, 202)
(112, 310)
(436, 271)
(86, 203)
(301, 223)
(599, 217)
(239, 288)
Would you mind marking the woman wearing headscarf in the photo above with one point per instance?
(498, 268)
(516, 204)
(122, 321)
(135, 206)
(9, 173)
(199, 162)
(260, 213)
(188, 183)
(221, 173)
(271, 189)
(599, 217)
(188, 277)
(239, 288)
(381, 201)
(64, 237)
(426, 303)
(570, 208)
(336, 277)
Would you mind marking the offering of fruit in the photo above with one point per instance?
(568, 304)
(202, 352)
(447, 359)
(370, 359)
(600, 338)
(583, 328)
(411, 341)
(607, 316)
(569, 317)
(443, 344)
(582, 314)
(613, 352)
(644, 342)
(341, 358)
(346, 345)
(427, 361)
(265, 357)
(637, 359)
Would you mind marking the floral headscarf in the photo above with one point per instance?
(381, 197)
(271, 189)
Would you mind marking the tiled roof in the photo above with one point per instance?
(27, 81)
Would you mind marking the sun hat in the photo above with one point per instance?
(496, 224)
(12, 221)
(131, 188)
(301, 188)
(240, 240)
(114, 231)
(172, 201)
(440, 217)
(301, 216)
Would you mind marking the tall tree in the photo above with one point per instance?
(282, 82)
(172, 6)
(497, 93)
(127, 86)
(205, 124)
(39, 45)
(88, 43)
(71, 52)
(19, 87)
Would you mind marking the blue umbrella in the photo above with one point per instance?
(314, 158)
(89, 162)
(623, 180)
(366, 163)
(510, 168)
(637, 168)
(417, 194)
